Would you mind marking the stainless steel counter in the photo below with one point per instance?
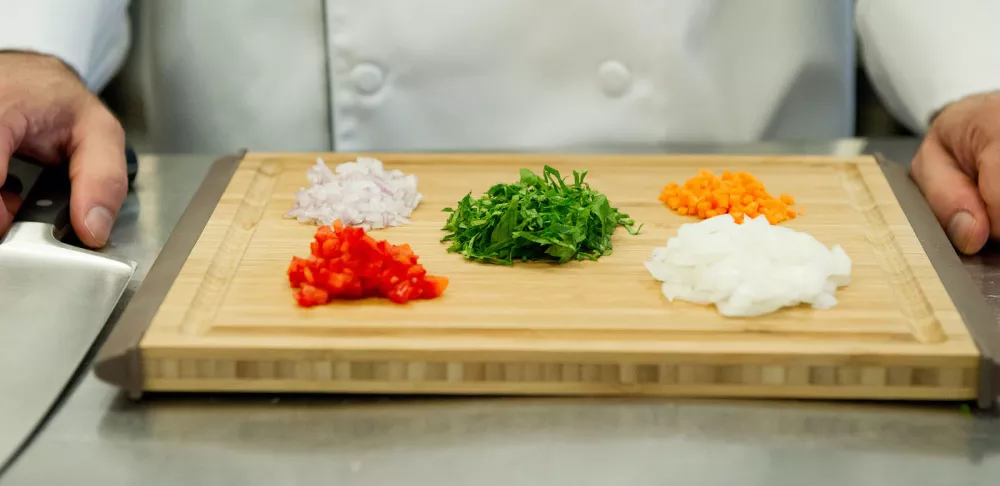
(97, 436)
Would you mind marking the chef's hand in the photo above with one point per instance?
(47, 113)
(958, 170)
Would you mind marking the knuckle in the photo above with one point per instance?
(981, 131)
(110, 182)
(918, 166)
(989, 156)
(8, 140)
(12, 129)
(970, 129)
(972, 137)
(110, 124)
(118, 185)
(100, 119)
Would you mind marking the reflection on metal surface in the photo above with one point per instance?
(310, 440)
(306, 423)
(985, 271)
(99, 437)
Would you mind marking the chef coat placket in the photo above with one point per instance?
(496, 74)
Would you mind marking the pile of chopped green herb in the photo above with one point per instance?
(536, 218)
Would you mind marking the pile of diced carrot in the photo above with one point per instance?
(739, 194)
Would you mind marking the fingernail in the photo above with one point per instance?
(960, 230)
(98, 223)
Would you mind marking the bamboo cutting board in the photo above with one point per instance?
(228, 321)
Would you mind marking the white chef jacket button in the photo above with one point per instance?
(367, 78)
(615, 78)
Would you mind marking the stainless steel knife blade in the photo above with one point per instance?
(55, 299)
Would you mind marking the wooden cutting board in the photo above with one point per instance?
(229, 323)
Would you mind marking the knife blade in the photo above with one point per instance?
(55, 299)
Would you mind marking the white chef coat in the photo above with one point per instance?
(92, 36)
(572, 75)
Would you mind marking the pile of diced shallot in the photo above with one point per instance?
(360, 193)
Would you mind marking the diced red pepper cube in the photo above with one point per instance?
(434, 286)
(308, 296)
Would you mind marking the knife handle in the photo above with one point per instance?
(131, 164)
(48, 200)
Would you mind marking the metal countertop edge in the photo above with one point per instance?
(118, 362)
(968, 300)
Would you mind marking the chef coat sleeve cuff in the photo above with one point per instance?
(90, 36)
(921, 56)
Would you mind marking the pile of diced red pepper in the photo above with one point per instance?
(346, 263)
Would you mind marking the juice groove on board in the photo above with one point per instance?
(919, 314)
(229, 254)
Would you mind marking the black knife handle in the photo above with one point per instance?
(132, 164)
(48, 200)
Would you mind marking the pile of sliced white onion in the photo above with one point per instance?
(360, 193)
(748, 269)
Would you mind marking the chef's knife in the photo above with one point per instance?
(55, 298)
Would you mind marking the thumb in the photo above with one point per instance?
(953, 196)
(12, 129)
(10, 201)
(97, 172)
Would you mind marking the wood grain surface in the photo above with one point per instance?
(229, 322)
